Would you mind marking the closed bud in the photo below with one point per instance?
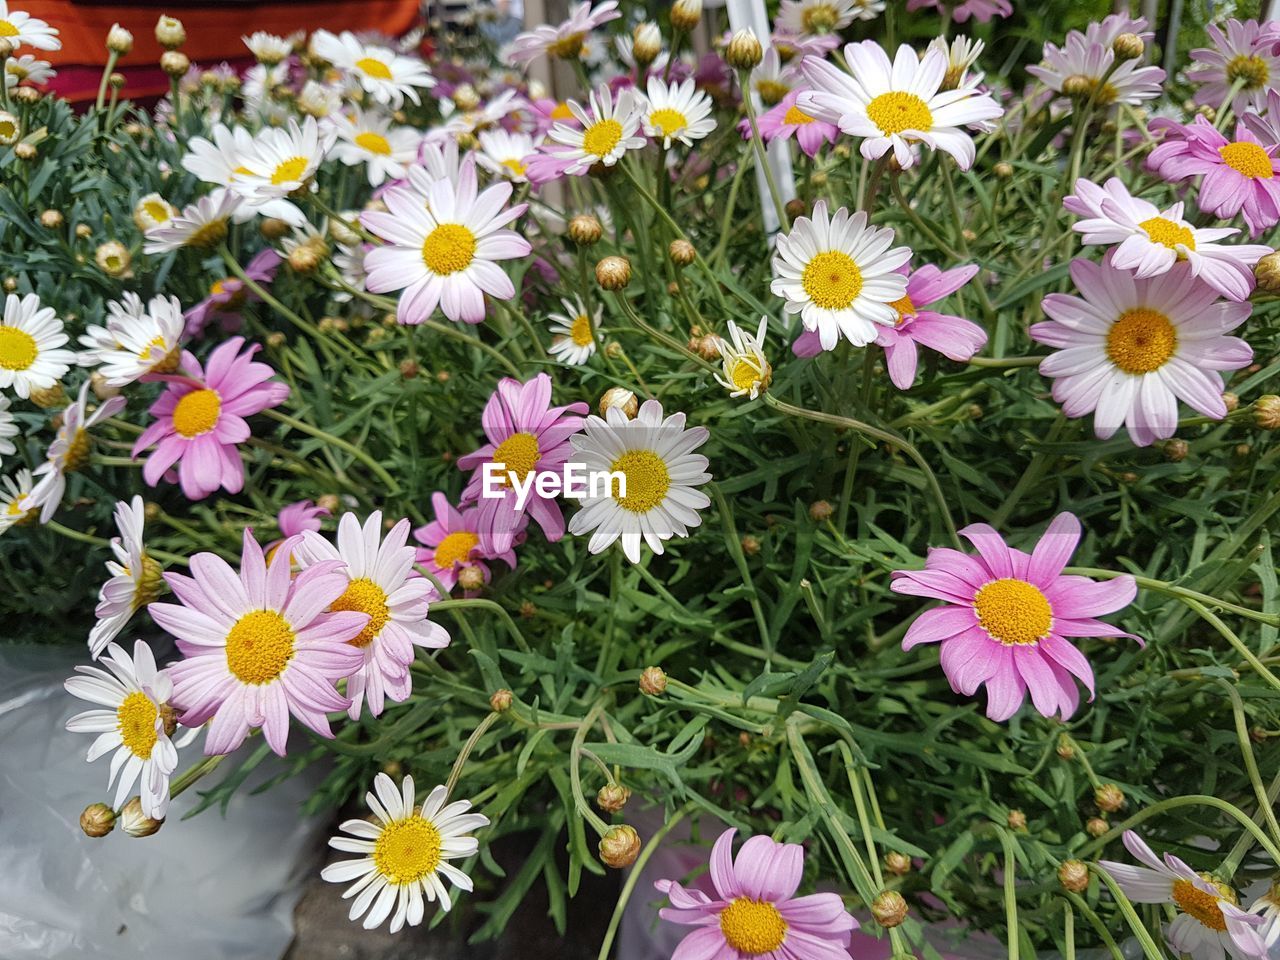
(409, 369)
(49, 398)
(820, 511)
(1128, 46)
(613, 273)
(341, 233)
(328, 501)
(620, 847)
(685, 14)
(1074, 876)
(1232, 402)
(273, 229)
(465, 97)
(613, 350)
(889, 909)
(304, 259)
(619, 398)
(1004, 170)
(653, 681)
(10, 284)
(101, 389)
(170, 33)
(585, 230)
(646, 43)
(750, 545)
(97, 820)
(682, 253)
(25, 151)
(1266, 412)
(528, 609)
(1175, 450)
(84, 231)
(796, 208)
(708, 346)
(744, 51)
(6, 48)
(135, 822)
(612, 797)
(174, 63)
(1096, 826)
(276, 340)
(471, 578)
(1267, 272)
(1077, 85)
(500, 700)
(897, 863)
(119, 40)
(51, 219)
(1017, 820)
(1066, 749)
(1109, 798)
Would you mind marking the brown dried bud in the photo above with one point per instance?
(1003, 170)
(49, 398)
(612, 797)
(273, 228)
(707, 346)
(1096, 826)
(135, 822)
(471, 578)
(750, 545)
(620, 847)
(613, 273)
(653, 681)
(1074, 876)
(1017, 820)
(685, 15)
(409, 369)
(97, 820)
(1266, 412)
(585, 230)
(682, 253)
(500, 700)
(744, 51)
(1232, 402)
(174, 63)
(897, 863)
(889, 909)
(1128, 46)
(1267, 272)
(528, 610)
(796, 208)
(619, 398)
(1175, 450)
(820, 511)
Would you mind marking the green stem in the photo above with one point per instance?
(575, 776)
(1135, 924)
(379, 471)
(1010, 890)
(467, 747)
(1241, 648)
(762, 158)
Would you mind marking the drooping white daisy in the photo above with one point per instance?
(574, 332)
(894, 105)
(385, 75)
(267, 47)
(202, 224)
(676, 112)
(137, 339)
(136, 578)
(27, 69)
(809, 17)
(447, 255)
(505, 154)
(70, 449)
(840, 275)
(660, 498)
(404, 857)
(383, 585)
(217, 161)
(1150, 241)
(17, 504)
(565, 40)
(368, 137)
(8, 428)
(19, 28)
(349, 262)
(606, 133)
(747, 372)
(962, 53)
(137, 724)
(32, 356)
(282, 160)
(1106, 82)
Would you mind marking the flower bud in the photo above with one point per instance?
(620, 398)
(135, 822)
(682, 253)
(744, 51)
(585, 230)
(471, 578)
(796, 208)
(276, 340)
(528, 610)
(500, 700)
(465, 97)
(1066, 749)
(685, 14)
(1267, 272)
(84, 231)
(25, 151)
(51, 219)
(612, 797)
(653, 681)
(750, 545)
(170, 33)
(1128, 46)
(1074, 876)
(820, 511)
(1017, 820)
(613, 273)
(1077, 85)
(97, 820)
(620, 847)
(707, 346)
(174, 63)
(10, 129)
(646, 43)
(1109, 798)
(889, 909)
(1266, 412)
(304, 259)
(10, 284)
(6, 48)
(897, 863)
(113, 258)
(273, 229)
(1096, 826)
(1232, 402)
(49, 398)
(119, 40)
(1004, 170)
(1175, 450)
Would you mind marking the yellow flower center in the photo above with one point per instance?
(1250, 69)
(18, 349)
(580, 333)
(601, 137)
(146, 352)
(7, 29)
(1013, 611)
(561, 111)
(407, 850)
(905, 309)
(455, 549)
(209, 235)
(374, 143)
(898, 111)
(289, 171)
(796, 117)
(771, 91)
(1141, 340)
(1167, 233)
(820, 18)
(373, 68)
(1248, 159)
(148, 586)
(157, 211)
(647, 480)
(667, 121)
(8, 131)
(77, 455)
(197, 412)
(136, 721)
(744, 374)
(259, 646)
(515, 166)
(1198, 903)
(566, 48)
(752, 927)
(519, 454)
(832, 280)
(365, 596)
(448, 249)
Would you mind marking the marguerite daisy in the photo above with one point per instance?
(676, 112)
(267, 47)
(70, 449)
(17, 500)
(282, 161)
(19, 28)
(747, 372)
(385, 75)
(202, 224)
(32, 356)
(1105, 82)
(27, 69)
(8, 428)
(606, 133)
(564, 41)
(137, 340)
(1243, 59)
(153, 210)
(136, 578)
(808, 17)
(217, 161)
(505, 154)
(369, 138)
(574, 332)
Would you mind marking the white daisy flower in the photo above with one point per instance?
(136, 725)
(840, 275)
(505, 153)
(894, 105)
(21, 28)
(771, 80)
(32, 356)
(202, 224)
(405, 854)
(655, 455)
(349, 262)
(676, 112)
(383, 585)
(385, 75)
(217, 161)
(1267, 906)
(809, 17)
(368, 137)
(439, 160)
(564, 41)
(267, 47)
(257, 90)
(8, 428)
(281, 161)
(485, 117)
(574, 338)
(136, 579)
(606, 133)
(17, 501)
(137, 340)
(153, 210)
(320, 100)
(27, 69)
(961, 53)
(69, 451)
(747, 372)
(1150, 241)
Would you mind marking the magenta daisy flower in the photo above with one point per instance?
(228, 296)
(526, 436)
(785, 120)
(200, 419)
(452, 543)
(1008, 614)
(980, 10)
(298, 518)
(1239, 174)
(755, 912)
(259, 645)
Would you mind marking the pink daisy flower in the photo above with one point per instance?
(1008, 614)
(228, 296)
(452, 543)
(786, 120)
(528, 436)
(563, 41)
(547, 113)
(298, 518)
(200, 419)
(259, 645)
(1151, 241)
(755, 912)
(1245, 52)
(550, 162)
(1239, 174)
(980, 10)
(1130, 349)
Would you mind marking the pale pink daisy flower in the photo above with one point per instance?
(1150, 241)
(563, 41)
(381, 584)
(259, 645)
(294, 520)
(1130, 81)
(1246, 52)
(1107, 30)
(1209, 925)
(526, 436)
(1239, 173)
(1007, 617)
(200, 419)
(136, 578)
(229, 295)
(451, 543)
(786, 120)
(755, 911)
(980, 10)
(1132, 348)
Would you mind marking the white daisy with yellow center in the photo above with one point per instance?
(893, 105)
(840, 274)
(676, 113)
(8, 428)
(405, 853)
(574, 332)
(153, 210)
(659, 499)
(17, 502)
(70, 449)
(388, 77)
(283, 160)
(817, 17)
(137, 339)
(202, 224)
(20, 28)
(747, 372)
(267, 47)
(218, 161)
(505, 154)
(605, 134)
(136, 725)
(136, 578)
(771, 80)
(368, 137)
(27, 69)
(32, 356)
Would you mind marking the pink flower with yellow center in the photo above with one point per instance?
(451, 543)
(786, 120)
(229, 295)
